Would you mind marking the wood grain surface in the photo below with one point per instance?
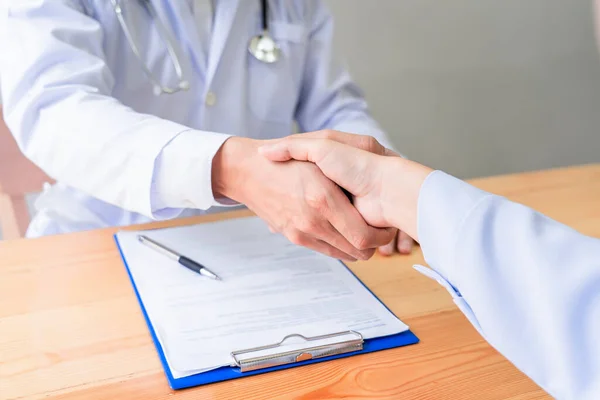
(71, 328)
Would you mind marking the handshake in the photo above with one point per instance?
(294, 185)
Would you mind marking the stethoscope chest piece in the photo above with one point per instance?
(264, 48)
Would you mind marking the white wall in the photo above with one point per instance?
(478, 87)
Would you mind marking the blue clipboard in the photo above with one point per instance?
(226, 373)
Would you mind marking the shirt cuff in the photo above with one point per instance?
(445, 203)
(183, 174)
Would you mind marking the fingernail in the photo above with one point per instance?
(405, 246)
(367, 256)
(384, 251)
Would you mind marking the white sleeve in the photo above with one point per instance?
(186, 182)
(56, 89)
(529, 284)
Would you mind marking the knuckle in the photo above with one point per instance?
(309, 225)
(328, 251)
(295, 237)
(374, 146)
(367, 254)
(363, 142)
(312, 170)
(318, 201)
(361, 242)
(327, 134)
(370, 144)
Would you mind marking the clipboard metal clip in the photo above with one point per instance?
(349, 341)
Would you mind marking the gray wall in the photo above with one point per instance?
(478, 87)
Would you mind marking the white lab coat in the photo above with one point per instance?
(530, 285)
(80, 107)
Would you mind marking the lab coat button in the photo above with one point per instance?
(211, 99)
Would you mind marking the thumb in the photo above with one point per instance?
(276, 151)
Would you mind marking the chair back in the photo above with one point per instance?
(18, 177)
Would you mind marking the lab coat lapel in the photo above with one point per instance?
(225, 13)
(182, 21)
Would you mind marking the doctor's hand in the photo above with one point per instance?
(295, 199)
(385, 189)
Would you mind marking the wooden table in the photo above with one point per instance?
(70, 326)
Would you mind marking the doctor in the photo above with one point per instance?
(154, 109)
(530, 285)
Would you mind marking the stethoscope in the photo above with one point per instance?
(262, 46)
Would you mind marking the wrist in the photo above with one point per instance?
(400, 193)
(229, 167)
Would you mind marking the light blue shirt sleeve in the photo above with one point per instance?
(529, 284)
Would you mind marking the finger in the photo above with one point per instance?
(334, 238)
(321, 229)
(320, 246)
(301, 149)
(363, 142)
(405, 243)
(327, 249)
(388, 249)
(273, 230)
(346, 219)
(315, 145)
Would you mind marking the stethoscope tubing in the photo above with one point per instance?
(254, 49)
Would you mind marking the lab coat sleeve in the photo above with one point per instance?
(329, 99)
(530, 285)
(56, 89)
(186, 182)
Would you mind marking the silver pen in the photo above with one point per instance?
(186, 262)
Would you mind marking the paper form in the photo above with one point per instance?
(270, 288)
